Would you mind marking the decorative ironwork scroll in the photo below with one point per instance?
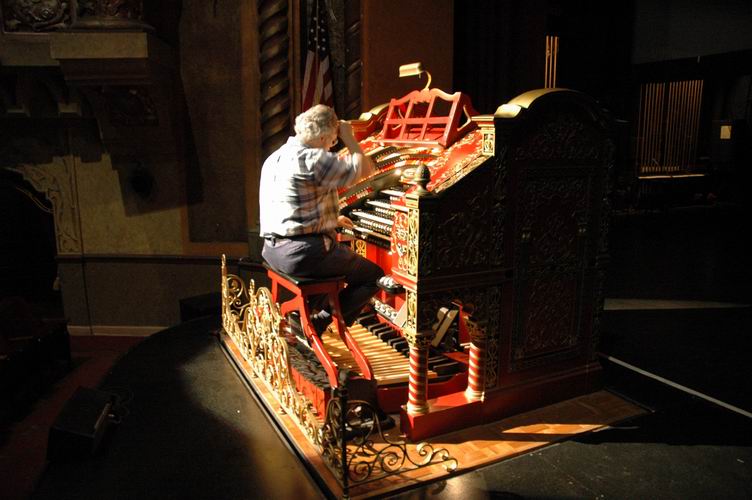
(370, 454)
(352, 443)
(252, 321)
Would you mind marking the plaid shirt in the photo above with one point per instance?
(298, 190)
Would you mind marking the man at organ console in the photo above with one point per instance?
(299, 209)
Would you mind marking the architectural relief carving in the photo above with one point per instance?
(109, 15)
(57, 182)
(126, 9)
(50, 15)
(35, 15)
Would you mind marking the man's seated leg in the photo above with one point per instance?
(360, 275)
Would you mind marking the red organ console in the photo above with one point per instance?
(491, 230)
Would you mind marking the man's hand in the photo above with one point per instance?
(346, 130)
(367, 167)
(345, 222)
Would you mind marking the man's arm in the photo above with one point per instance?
(366, 165)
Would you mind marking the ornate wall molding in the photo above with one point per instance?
(35, 15)
(53, 15)
(58, 184)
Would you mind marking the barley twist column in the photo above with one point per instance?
(274, 66)
(476, 380)
(417, 401)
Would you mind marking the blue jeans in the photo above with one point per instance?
(308, 257)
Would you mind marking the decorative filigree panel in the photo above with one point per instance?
(411, 255)
(348, 443)
(550, 253)
(550, 314)
(411, 323)
(471, 232)
(554, 208)
(367, 459)
(400, 239)
(252, 320)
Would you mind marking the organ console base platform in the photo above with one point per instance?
(454, 411)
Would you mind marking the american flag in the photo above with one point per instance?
(317, 80)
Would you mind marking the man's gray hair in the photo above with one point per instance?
(317, 121)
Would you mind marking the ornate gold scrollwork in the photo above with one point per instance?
(360, 247)
(254, 327)
(419, 340)
(411, 323)
(252, 321)
(366, 459)
(488, 146)
(413, 220)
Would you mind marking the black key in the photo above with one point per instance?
(367, 319)
(435, 360)
(380, 329)
(391, 342)
(402, 346)
(392, 334)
